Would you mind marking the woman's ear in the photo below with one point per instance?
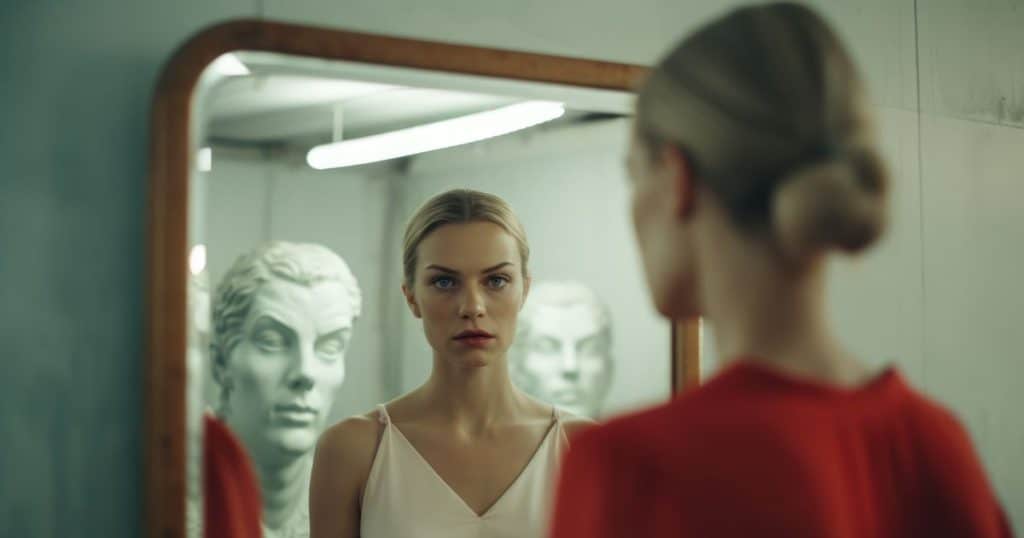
(410, 300)
(679, 170)
(526, 290)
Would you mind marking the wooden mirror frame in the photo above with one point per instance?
(168, 205)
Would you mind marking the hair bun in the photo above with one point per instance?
(838, 203)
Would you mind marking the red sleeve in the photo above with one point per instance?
(231, 494)
(957, 489)
(584, 504)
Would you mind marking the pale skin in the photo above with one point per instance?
(467, 420)
(762, 306)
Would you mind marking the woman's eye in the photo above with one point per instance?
(443, 283)
(270, 340)
(497, 282)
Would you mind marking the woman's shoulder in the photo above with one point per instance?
(627, 432)
(937, 429)
(353, 439)
(573, 424)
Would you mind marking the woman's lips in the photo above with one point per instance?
(475, 341)
(475, 338)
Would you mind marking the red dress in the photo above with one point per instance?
(755, 452)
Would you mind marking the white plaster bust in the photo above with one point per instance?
(562, 354)
(282, 322)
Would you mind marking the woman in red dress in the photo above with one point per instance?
(753, 159)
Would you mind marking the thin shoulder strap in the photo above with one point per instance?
(382, 414)
(559, 428)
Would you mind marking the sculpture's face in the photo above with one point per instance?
(566, 357)
(288, 365)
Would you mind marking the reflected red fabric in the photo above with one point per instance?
(755, 452)
(231, 493)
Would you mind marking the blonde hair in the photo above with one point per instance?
(772, 115)
(456, 207)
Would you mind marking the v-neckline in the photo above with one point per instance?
(460, 498)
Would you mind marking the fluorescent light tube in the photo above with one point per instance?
(433, 136)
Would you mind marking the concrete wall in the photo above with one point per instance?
(78, 76)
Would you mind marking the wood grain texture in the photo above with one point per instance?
(685, 355)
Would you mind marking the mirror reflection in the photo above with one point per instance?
(563, 351)
(308, 312)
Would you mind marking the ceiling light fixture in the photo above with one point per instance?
(433, 136)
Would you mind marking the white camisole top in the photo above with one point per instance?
(405, 498)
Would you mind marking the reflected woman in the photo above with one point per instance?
(466, 454)
(753, 161)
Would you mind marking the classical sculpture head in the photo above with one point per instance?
(282, 321)
(562, 353)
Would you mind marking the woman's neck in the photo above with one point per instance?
(761, 309)
(283, 486)
(472, 399)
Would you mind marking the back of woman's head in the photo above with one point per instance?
(771, 113)
(459, 206)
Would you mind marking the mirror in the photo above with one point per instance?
(302, 174)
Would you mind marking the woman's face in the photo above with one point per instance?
(468, 289)
(660, 207)
(288, 365)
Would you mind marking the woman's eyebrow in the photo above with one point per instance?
(496, 267)
(442, 269)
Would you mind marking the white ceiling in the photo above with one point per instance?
(275, 108)
(297, 100)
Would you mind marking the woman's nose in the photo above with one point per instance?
(472, 304)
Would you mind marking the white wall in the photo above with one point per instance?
(569, 189)
(973, 217)
(72, 211)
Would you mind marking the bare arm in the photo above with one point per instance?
(341, 466)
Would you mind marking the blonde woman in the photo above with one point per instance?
(465, 455)
(753, 161)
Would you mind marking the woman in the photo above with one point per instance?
(753, 159)
(466, 454)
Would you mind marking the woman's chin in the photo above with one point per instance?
(472, 358)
